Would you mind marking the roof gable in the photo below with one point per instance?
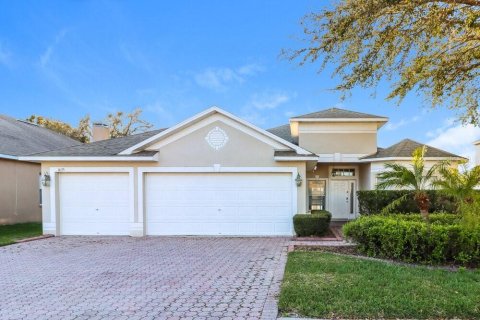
(405, 149)
(21, 138)
(261, 134)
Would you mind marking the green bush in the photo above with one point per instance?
(408, 238)
(373, 201)
(314, 224)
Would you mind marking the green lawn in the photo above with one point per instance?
(12, 232)
(325, 285)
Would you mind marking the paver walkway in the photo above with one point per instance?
(141, 278)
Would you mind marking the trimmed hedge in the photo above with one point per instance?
(410, 239)
(373, 201)
(314, 224)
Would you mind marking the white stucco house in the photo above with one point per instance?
(217, 174)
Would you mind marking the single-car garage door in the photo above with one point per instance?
(251, 204)
(94, 203)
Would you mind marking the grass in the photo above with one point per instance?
(10, 233)
(326, 285)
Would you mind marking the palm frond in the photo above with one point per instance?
(394, 204)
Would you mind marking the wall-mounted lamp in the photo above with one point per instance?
(45, 180)
(298, 180)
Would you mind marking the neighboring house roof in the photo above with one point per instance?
(337, 113)
(283, 132)
(21, 138)
(104, 148)
(405, 149)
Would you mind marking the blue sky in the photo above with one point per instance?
(65, 59)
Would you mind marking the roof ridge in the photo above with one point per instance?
(336, 109)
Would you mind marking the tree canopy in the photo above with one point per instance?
(123, 124)
(120, 124)
(431, 47)
(81, 133)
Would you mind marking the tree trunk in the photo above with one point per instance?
(424, 214)
(423, 203)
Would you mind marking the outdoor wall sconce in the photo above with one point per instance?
(45, 180)
(298, 180)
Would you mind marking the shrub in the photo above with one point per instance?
(314, 224)
(408, 238)
(373, 201)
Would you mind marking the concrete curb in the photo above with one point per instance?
(45, 236)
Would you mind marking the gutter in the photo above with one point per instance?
(94, 159)
(10, 157)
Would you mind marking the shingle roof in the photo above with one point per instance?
(21, 138)
(406, 147)
(337, 113)
(284, 133)
(104, 148)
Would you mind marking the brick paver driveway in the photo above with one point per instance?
(141, 278)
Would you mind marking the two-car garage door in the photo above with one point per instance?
(251, 204)
(218, 204)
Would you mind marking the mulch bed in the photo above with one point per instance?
(332, 234)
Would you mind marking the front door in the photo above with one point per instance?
(343, 199)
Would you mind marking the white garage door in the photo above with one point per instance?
(94, 203)
(218, 204)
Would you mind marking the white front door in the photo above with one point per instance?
(94, 203)
(253, 204)
(343, 199)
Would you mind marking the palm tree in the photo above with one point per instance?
(415, 178)
(459, 184)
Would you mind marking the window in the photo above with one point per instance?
(343, 173)
(316, 194)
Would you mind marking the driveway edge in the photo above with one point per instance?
(270, 308)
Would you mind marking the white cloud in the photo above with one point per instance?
(261, 103)
(219, 79)
(456, 138)
(49, 51)
(268, 100)
(5, 56)
(391, 126)
(250, 69)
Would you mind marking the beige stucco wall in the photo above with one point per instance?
(192, 150)
(365, 176)
(19, 192)
(347, 143)
(347, 138)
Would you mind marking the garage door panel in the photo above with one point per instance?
(169, 214)
(218, 204)
(94, 203)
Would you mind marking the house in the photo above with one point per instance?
(20, 196)
(216, 174)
